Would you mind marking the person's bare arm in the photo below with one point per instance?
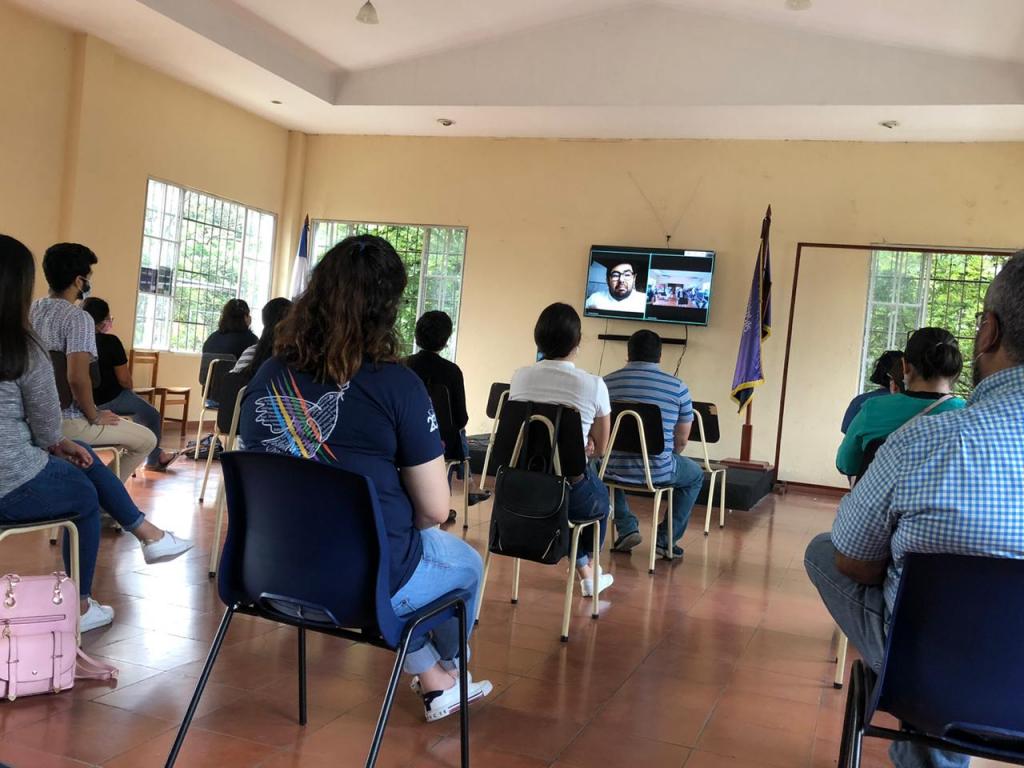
(599, 433)
(428, 490)
(681, 435)
(124, 376)
(869, 572)
(80, 382)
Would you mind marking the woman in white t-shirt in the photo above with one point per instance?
(555, 379)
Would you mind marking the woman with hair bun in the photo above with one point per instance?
(931, 364)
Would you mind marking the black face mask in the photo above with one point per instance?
(85, 290)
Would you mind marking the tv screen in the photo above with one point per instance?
(661, 285)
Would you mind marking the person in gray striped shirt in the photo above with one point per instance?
(643, 381)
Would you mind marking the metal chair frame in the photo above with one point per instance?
(714, 472)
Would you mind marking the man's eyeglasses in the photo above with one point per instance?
(627, 275)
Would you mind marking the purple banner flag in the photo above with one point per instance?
(757, 323)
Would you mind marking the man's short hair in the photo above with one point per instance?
(1005, 298)
(97, 308)
(644, 347)
(64, 262)
(433, 330)
(558, 331)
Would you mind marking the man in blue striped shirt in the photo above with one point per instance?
(953, 482)
(643, 381)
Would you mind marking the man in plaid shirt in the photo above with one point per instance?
(953, 482)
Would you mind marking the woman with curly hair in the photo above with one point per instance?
(335, 392)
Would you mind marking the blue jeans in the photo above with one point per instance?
(588, 500)
(127, 403)
(62, 489)
(448, 563)
(687, 480)
(860, 612)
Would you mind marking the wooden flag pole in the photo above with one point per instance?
(747, 434)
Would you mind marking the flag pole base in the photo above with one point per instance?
(760, 466)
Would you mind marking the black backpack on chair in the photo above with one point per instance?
(530, 513)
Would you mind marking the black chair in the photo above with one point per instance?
(451, 436)
(495, 400)
(227, 425)
(568, 459)
(212, 367)
(706, 416)
(328, 575)
(637, 428)
(952, 673)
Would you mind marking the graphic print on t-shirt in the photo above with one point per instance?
(301, 427)
(432, 420)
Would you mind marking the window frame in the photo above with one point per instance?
(183, 188)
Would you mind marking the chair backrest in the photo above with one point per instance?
(59, 361)
(209, 357)
(708, 422)
(636, 428)
(144, 357)
(216, 373)
(441, 399)
(952, 660)
(514, 415)
(869, 455)
(494, 399)
(329, 566)
(232, 390)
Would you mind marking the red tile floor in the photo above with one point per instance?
(720, 661)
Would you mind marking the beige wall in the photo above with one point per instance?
(84, 127)
(534, 207)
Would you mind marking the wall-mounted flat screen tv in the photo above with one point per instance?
(661, 285)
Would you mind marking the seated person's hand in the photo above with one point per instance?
(72, 452)
(107, 419)
(590, 448)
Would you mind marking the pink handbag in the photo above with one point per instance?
(38, 643)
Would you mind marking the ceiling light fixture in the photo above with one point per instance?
(446, 122)
(890, 124)
(367, 14)
(798, 5)
(275, 101)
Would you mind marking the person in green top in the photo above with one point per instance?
(931, 363)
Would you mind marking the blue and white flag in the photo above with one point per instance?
(757, 323)
(300, 267)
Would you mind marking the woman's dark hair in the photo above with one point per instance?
(274, 311)
(347, 314)
(433, 330)
(232, 317)
(63, 262)
(644, 347)
(98, 308)
(934, 352)
(888, 367)
(17, 274)
(557, 332)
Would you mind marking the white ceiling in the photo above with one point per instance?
(946, 69)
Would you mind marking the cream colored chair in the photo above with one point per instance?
(211, 368)
(706, 417)
(229, 445)
(517, 423)
(630, 436)
(495, 400)
(52, 527)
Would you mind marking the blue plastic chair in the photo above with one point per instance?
(306, 546)
(953, 671)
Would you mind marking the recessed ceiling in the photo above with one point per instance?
(944, 69)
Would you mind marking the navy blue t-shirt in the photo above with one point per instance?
(379, 421)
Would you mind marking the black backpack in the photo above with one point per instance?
(530, 513)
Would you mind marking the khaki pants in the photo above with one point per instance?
(134, 438)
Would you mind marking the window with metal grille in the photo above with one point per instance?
(433, 258)
(911, 290)
(198, 251)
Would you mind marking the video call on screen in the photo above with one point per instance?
(668, 286)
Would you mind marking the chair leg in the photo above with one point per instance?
(209, 462)
(487, 461)
(654, 533)
(117, 462)
(483, 585)
(611, 515)
(721, 513)
(199, 432)
(841, 645)
(570, 584)
(515, 580)
(461, 611)
(389, 697)
(302, 675)
(218, 527)
(710, 502)
(218, 640)
(668, 525)
(71, 531)
(853, 721)
(596, 554)
(465, 494)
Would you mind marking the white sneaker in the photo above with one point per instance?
(587, 585)
(97, 616)
(414, 684)
(438, 704)
(166, 547)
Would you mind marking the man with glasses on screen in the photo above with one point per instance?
(621, 295)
